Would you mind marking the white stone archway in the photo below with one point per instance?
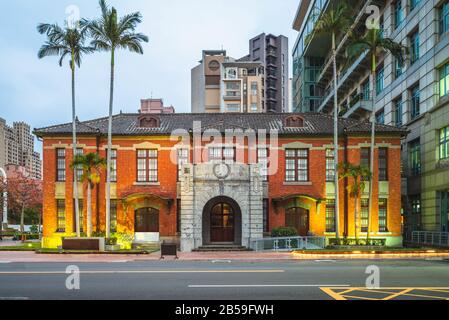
(199, 185)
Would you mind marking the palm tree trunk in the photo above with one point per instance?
(356, 217)
(75, 179)
(373, 137)
(22, 221)
(337, 194)
(108, 168)
(89, 210)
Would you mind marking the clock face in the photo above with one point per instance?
(221, 170)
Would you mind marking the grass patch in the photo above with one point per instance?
(384, 250)
(23, 247)
(58, 251)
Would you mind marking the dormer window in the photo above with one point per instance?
(294, 122)
(148, 122)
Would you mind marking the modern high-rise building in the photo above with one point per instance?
(273, 52)
(222, 84)
(17, 148)
(413, 94)
(265, 71)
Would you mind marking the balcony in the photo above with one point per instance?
(346, 81)
(236, 97)
(327, 70)
(358, 108)
(271, 52)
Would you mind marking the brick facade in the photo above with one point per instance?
(165, 193)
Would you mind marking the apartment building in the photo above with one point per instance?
(201, 190)
(266, 66)
(17, 148)
(155, 106)
(412, 95)
(222, 84)
(273, 52)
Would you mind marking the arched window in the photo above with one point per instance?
(294, 122)
(148, 122)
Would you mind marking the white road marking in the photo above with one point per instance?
(119, 261)
(264, 285)
(221, 261)
(5, 262)
(14, 298)
(137, 272)
(325, 261)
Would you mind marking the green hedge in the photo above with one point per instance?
(284, 232)
(358, 242)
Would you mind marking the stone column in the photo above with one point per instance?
(255, 204)
(187, 209)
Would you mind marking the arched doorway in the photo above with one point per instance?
(222, 222)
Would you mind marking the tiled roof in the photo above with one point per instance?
(127, 124)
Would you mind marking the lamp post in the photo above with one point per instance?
(5, 199)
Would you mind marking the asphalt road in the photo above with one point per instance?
(221, 280)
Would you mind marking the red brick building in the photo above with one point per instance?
(174, 177)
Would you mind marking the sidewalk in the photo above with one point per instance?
(28, 256)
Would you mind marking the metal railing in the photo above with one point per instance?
(440, 239)
(288, 243)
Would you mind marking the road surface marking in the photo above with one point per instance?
(357, 293)
(221, 261)
(261, 285)
(325, 261)
(5, 262)
(14, 298)
(138, 272)
(397, 294)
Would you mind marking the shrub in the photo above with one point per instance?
(284, 232)
(34, 229)
(358, 242)
(111, 241)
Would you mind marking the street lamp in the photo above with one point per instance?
(5, 198)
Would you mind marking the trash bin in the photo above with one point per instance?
(169, 249)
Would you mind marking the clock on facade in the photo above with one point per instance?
(221, 170)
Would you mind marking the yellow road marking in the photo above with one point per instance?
(331, 293)
(363, 298)
(397, 294)
(343, 295)
(424, 296)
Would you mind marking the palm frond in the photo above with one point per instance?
(129, 22)
(64, 41)
(50, 49)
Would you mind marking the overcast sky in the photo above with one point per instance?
(38, 91)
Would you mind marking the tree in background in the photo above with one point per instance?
(373, 43)
(359, 175)
(24, 194)
(333, 22)
(92, 164)
(67, 42)
(110, 33)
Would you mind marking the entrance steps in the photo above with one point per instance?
(221, 248)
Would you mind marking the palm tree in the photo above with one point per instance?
(374, 43)
(92, 165)
(67, 42)
(359, 174)
(334, 21)
(109, 34)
